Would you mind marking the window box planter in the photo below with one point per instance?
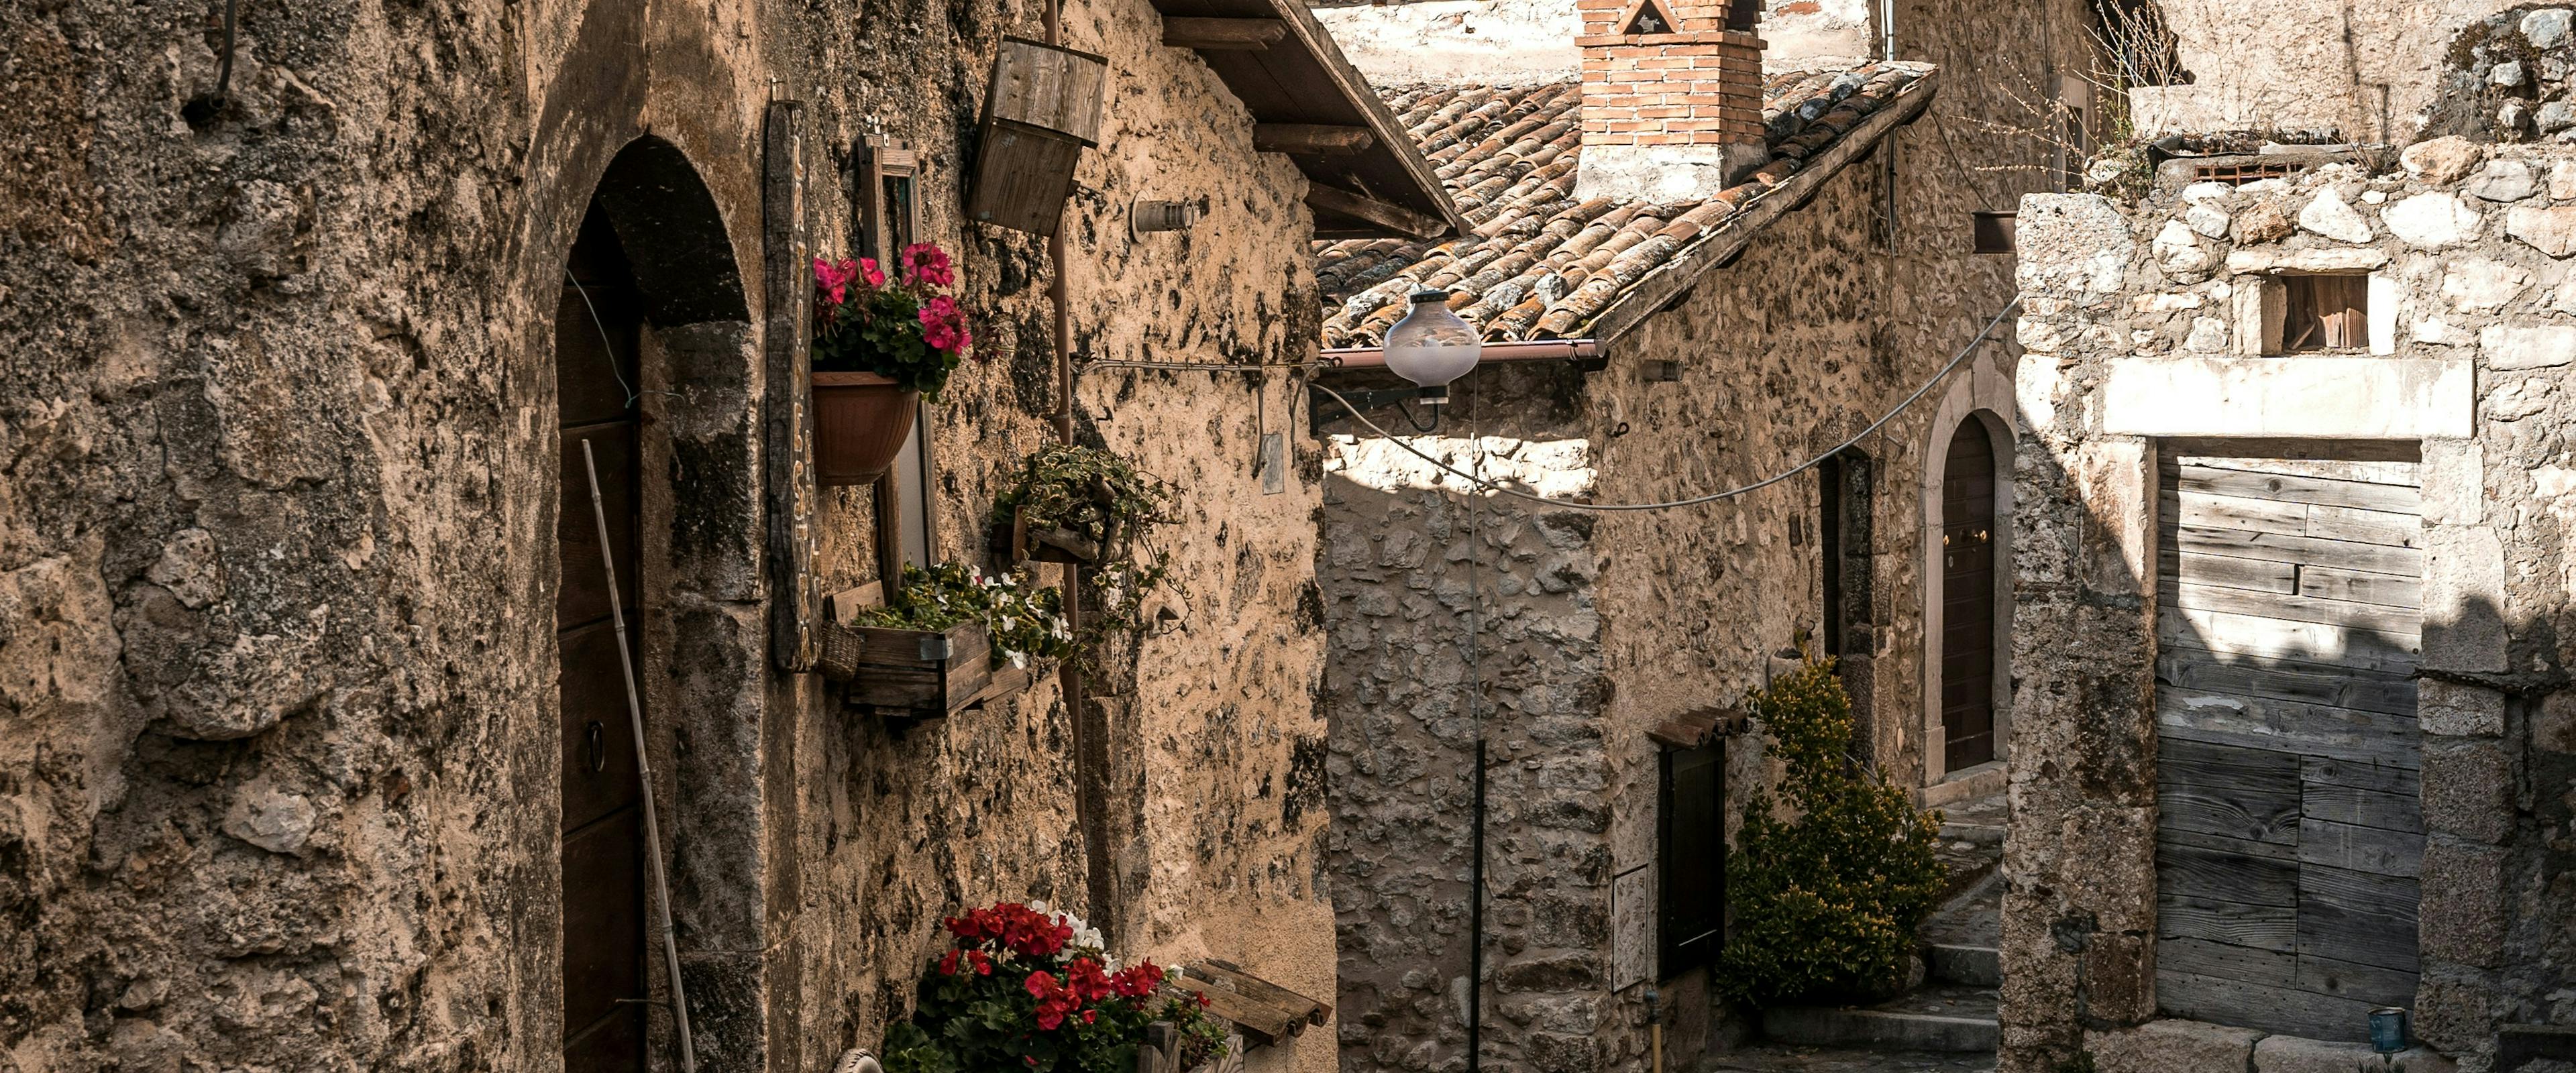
(860, 423)
(1051, 544)
(919, 673)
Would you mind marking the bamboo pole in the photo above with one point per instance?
(643, 768)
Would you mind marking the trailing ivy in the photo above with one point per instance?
(1825, 905)
(1104, 503)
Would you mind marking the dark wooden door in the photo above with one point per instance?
(2289, 830)
(1968, 599)
(596, 328)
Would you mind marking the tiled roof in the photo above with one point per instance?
(1540, 265)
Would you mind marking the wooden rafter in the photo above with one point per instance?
(1321, 139)
(1322, 198)
(1211, 34)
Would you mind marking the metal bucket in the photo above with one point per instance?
(2388, 1029)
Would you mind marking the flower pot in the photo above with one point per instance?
(860, 423)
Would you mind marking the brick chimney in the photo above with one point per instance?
(1672, 97)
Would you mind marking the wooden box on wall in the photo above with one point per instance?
(1042, 112)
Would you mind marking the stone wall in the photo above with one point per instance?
(277, 736)
(2372, 71)
(1597, 627)
(2470, 335)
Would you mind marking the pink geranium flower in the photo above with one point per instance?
(834, 279)
(923, 261)
(869, 271)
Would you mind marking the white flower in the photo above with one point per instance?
(1019, 661)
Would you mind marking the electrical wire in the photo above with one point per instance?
(1476, 481)
(606, 347)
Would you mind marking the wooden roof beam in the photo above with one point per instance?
(1222, 35)
(1322, 198)
(1318, 139)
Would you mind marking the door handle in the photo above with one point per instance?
(597, 749)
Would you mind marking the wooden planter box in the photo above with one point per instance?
(1042, 112)
(1048, 545)
(917, 673)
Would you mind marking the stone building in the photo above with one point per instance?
(293, 309)
(2293, 602)
(1657, 327)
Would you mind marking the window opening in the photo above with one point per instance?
(2326, 313)
(1843, 529)
(2239, 173)
(1649, 17)
(887, 187)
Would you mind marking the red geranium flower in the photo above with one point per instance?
(869, 271)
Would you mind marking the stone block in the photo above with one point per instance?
(2442, 160)
(2432, 221)
(2553, 727)
(2459, 710)
(2119, 978)
(2464, 577)
(2505, 180)
(2551, 231)
(2462, 915)
(2292, 1054)
(2512, 348)
(2385, 296)
(2262, 308)
(2454, 476)
(2338, 397)
(2330, 215)
(2562, 180)
(2454, 1011)
(2479, 285)
(2468, 789)
(2171, 1046)
(2337, 259)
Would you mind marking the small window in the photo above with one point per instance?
(2238, 172)
(885, 183)
(2326, 313)
(1691, 857)
(1844, 538)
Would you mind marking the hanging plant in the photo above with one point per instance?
(880, 346)
(908, 330)
(1026, 622)
(1024, 990)
(1100, 508)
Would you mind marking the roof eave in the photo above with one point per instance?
(1671, 279)
(1387, 189)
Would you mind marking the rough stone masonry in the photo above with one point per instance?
(2159, 319)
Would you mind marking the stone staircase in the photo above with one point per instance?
(1946, 1023)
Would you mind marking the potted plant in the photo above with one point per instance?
(1020, 989)
(1098, 508)
(880, 346)
(933, 647)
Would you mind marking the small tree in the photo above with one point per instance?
(1826, 903)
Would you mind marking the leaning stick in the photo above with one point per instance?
(643, 768)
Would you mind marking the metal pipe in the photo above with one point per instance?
(643, 766)
(1374, 357)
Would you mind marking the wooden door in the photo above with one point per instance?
(1968, 599)
(2289, 832)
(597, 324)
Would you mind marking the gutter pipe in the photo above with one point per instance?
(1374, 357)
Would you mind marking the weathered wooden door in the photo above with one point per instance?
(1968, 599)
(603, 842)
(2289, 833)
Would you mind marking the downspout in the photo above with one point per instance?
(1090, 744)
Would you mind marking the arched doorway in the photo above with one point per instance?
(598, 324)
(1968, 598)
(648, 298)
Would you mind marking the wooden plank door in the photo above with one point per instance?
(597, 324)
(1968, 599)
(2289, 831)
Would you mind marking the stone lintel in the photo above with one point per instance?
(2360, 398)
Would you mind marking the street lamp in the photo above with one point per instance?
(1431, 346)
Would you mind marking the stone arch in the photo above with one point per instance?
(1983, 394)
(700, 645)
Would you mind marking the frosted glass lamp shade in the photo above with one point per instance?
(1431, 346)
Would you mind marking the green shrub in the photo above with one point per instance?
(1825, 905)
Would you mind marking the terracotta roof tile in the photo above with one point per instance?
(1540, 265)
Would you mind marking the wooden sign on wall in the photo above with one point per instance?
(794, 545)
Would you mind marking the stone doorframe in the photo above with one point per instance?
(1983, 393)
(684, 198)
(2295, 407)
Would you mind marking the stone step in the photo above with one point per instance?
(1973, 966)
(1948, 1019)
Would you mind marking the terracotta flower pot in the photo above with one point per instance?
(860, 423)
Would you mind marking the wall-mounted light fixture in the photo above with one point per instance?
(1431, 346)
(1146, 217)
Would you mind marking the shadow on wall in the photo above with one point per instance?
(2272, 796)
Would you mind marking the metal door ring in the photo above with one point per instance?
(598, 746)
